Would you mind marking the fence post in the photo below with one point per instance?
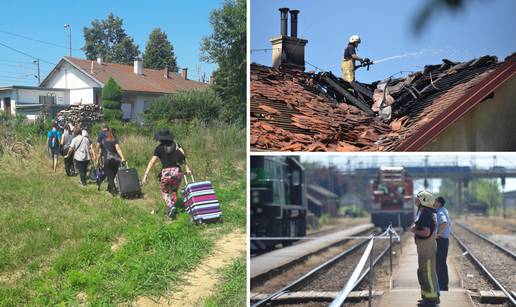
(371, 275)
(390, 248)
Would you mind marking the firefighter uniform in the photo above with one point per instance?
(348, 63)
(426, 248)
(348, 70)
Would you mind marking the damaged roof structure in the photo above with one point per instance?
(433, 109)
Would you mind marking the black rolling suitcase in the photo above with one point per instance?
(128, 182)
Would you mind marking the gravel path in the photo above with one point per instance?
(502, 266)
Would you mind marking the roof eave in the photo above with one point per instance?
(65, 59)
(460, 107)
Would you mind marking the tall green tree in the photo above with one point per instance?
(227, 48)
(107, 38)
(112, 100)
(159, 52)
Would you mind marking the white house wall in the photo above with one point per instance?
(139, 104)
(26, 96)
(82, 96)
(69, 76)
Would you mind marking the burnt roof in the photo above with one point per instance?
(290, 112)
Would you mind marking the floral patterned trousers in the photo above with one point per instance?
(170, 181)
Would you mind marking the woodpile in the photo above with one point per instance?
(83, 115)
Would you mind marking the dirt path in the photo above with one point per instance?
(201, 282)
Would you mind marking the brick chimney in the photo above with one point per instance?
(288, 51)
(138, 67)
(165, 74)
(184, 73)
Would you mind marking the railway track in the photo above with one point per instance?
(333, 274)
(492, 259)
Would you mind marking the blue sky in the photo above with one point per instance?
(484, 27)
(185, 23)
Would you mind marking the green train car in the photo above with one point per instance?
(278, 201)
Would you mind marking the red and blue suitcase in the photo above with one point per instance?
(201, 202)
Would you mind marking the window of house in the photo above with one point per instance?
(47, 100)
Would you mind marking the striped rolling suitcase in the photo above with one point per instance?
(201, 202)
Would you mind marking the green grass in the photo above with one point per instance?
(56, 237)
(231, 290)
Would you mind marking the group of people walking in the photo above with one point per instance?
(431, 230)
(77, 149)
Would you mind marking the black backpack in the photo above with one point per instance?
(53, 142)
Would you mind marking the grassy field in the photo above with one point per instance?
(62, 244)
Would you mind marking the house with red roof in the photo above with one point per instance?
(75, 81)
(449, 106)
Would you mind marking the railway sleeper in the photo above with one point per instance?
(298, 297)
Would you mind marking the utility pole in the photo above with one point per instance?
(36, 61)
(67, 26)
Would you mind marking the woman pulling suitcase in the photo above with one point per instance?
(171, 156)
(111, 158)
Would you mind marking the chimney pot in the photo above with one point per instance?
(288, 52)
(284, 18)
(138, 67)
(184, 73)
(293, 23)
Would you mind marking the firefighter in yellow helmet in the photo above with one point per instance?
(348, 63)
(423, 230)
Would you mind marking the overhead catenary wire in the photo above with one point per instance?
(37, 40)
(26, 54)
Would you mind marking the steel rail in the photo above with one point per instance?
(477, 262)
(478, 234)
(306, 277)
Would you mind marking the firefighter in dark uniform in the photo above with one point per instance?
(423, 230)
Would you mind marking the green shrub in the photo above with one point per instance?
(112, 115)
(204, 106)
(112, 91)
(111, 101)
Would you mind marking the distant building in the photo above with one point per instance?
(509, 199)
(321, 200)
(76, 81)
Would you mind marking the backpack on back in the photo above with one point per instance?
(53, 142)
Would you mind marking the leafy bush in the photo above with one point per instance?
(352, 211)
(111, 101)
(204, 106)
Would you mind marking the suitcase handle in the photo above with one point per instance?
(186, 178)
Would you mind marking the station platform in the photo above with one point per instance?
(270, 261)
(405, 289)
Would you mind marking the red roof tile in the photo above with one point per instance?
(152, 81)
(290, 113)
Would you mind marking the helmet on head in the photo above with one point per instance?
(354, 38)
(426, 199)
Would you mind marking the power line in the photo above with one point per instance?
(26, 54)
(15, 61)
(11, 77)
(36, 40)
(313, 66)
